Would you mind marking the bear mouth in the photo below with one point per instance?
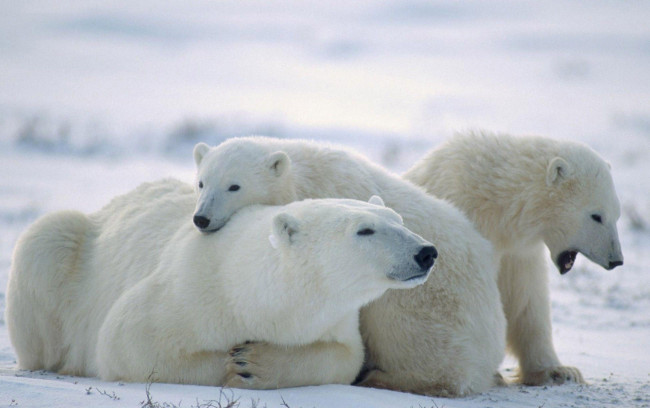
(566, 260)
(410, 277)
(422, 276)
(209, 231)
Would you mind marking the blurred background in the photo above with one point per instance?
(120, 77)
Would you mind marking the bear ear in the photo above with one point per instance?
(199, 151)
(376, 200)
(285, 229)
(558, 170)
(278, 163)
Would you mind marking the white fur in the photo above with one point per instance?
(215, 199)
(524, 193)
(135, 291)
(446, 337)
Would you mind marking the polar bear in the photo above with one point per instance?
(123, 305)
(446, 337)
(523, 193)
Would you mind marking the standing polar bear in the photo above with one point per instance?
(134, 291)
(446, 337)
(524, 193)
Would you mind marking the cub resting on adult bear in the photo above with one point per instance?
(135, 293)
(446, 337)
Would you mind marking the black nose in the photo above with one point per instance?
(614, 264)
(425, 257)
(201, 221)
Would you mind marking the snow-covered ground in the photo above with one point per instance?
(98, 96)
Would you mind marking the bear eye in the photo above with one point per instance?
(200, 184)
(366, 231)
(234, 187)
(597, 218)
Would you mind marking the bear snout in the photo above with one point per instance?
(426, 257)
(201, 221)
(614, 264)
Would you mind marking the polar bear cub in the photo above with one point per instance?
(524, 193)
(446, 337)
(173, 302)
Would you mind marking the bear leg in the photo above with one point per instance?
(523, 284)
(269, 366)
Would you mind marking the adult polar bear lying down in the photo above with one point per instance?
(446, 337)
(523, 193)
(134, 289)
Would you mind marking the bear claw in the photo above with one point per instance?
(244, 368)
(237, 351)
(556, 375)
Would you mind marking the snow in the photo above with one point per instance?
(99, 96)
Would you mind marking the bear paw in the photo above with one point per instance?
(247, 367)
(553, 375)
(499, 381)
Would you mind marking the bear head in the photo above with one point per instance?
(365, 242)
(235, 175)
(582, 210)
